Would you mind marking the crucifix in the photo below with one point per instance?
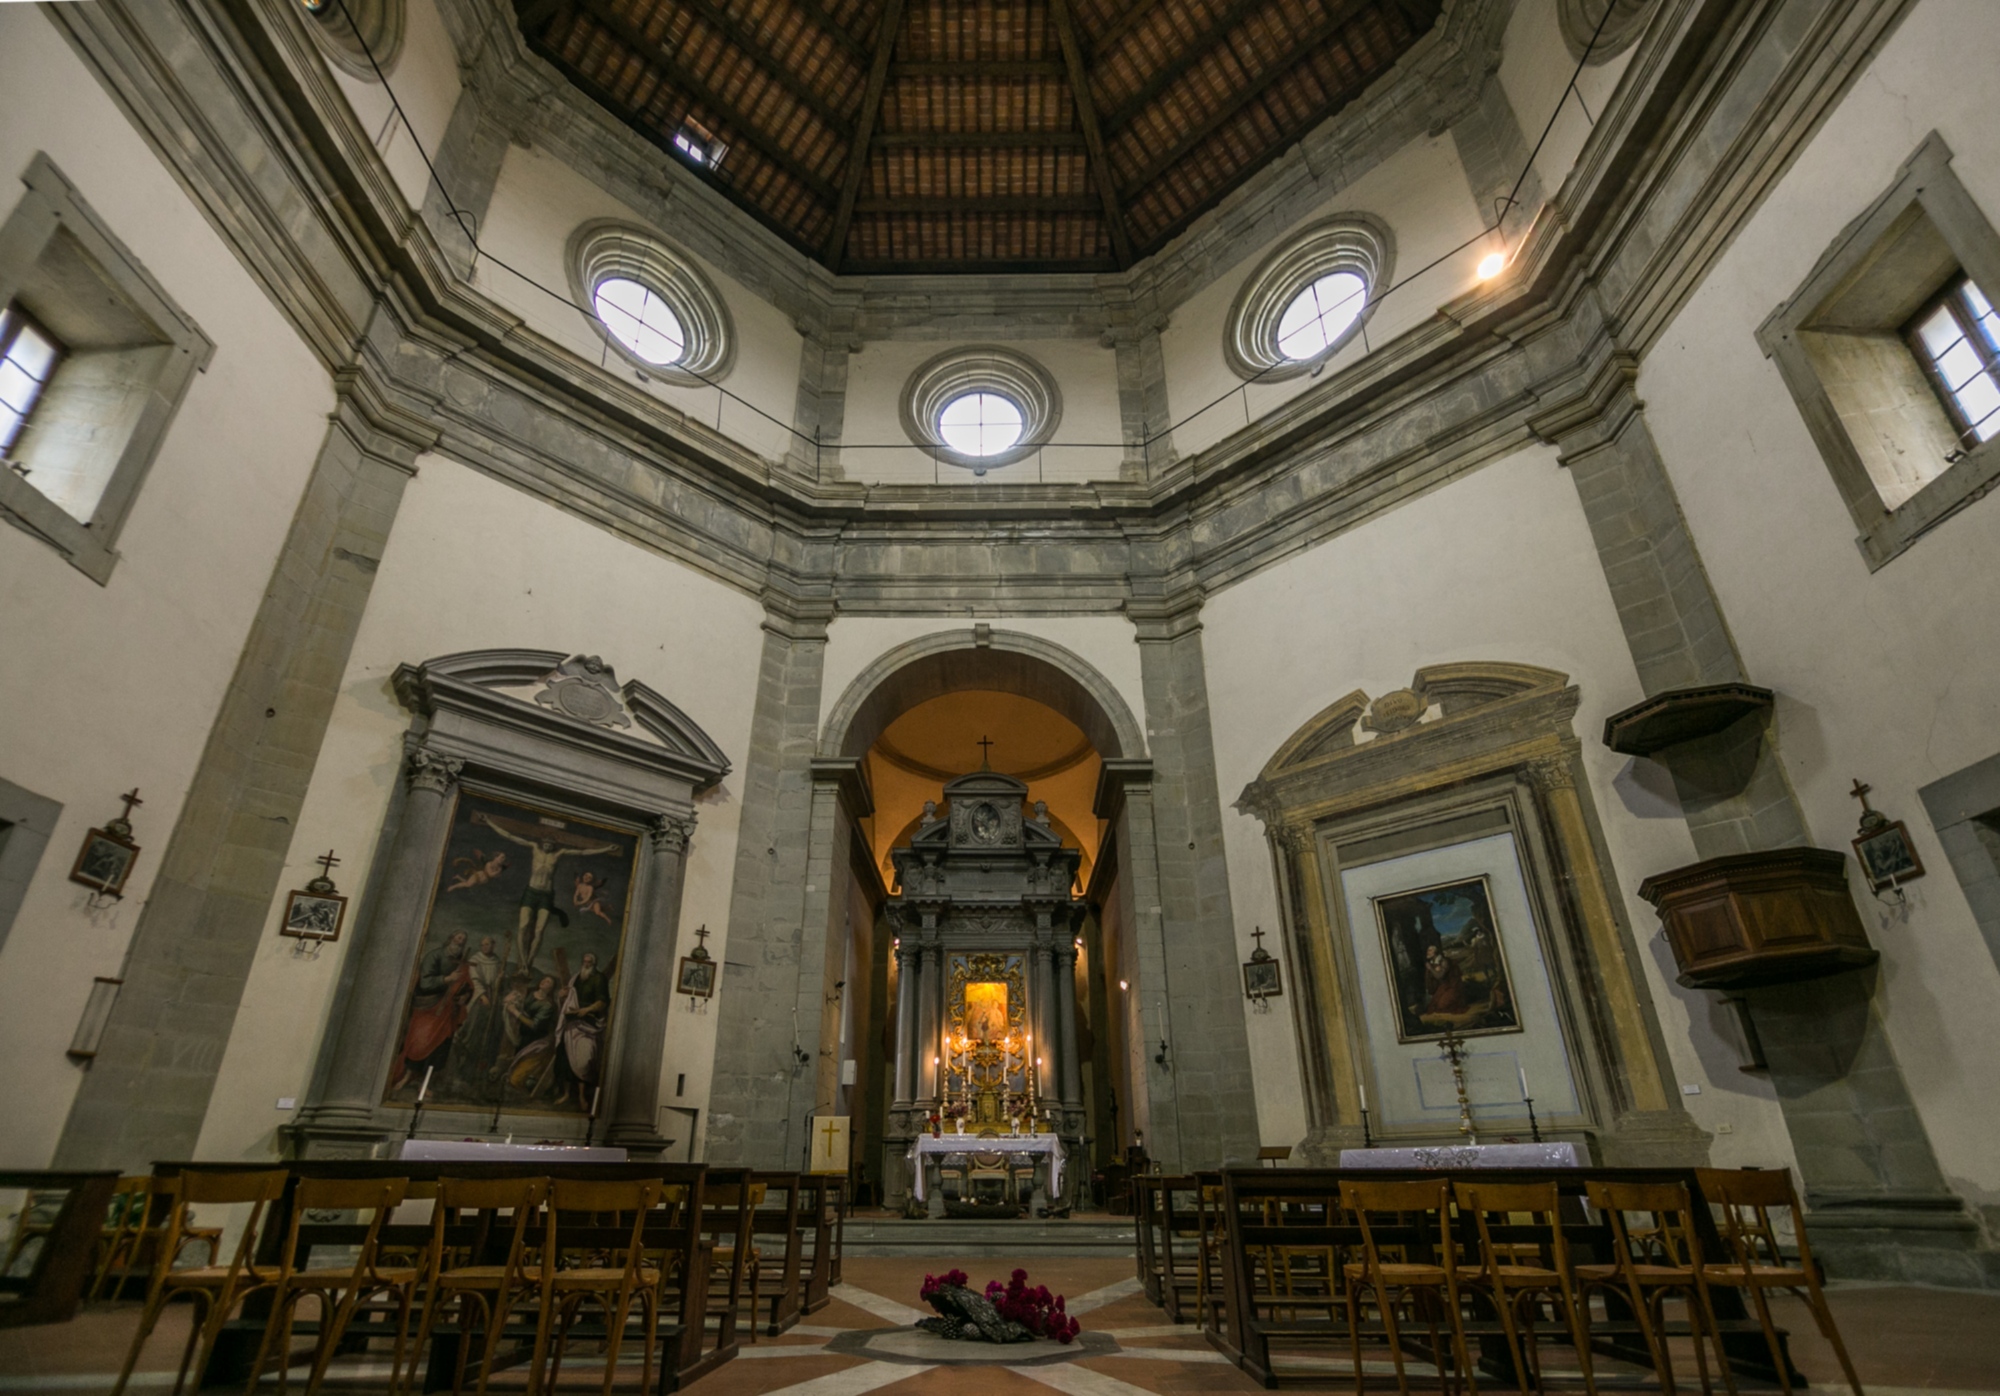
(122, 825)
(131, 798)
(328, 862)
(701, 940)
(1860, 792)
(985, 754)
(1258, 936)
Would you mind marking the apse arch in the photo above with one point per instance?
(1002, 661)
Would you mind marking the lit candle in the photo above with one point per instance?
(1524, 1081)
(425, 1089)
(595, 1096)
(1362, 1087)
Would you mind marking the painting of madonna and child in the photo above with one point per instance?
(1446, 968)
(510, 999)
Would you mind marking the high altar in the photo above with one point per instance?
(985, 922)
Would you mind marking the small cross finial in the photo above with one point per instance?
(131, 798)
(701, 935)
(327, 861)
(1258, 936)
(985, 753)
(1860, 792)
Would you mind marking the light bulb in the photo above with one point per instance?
(1491, 265)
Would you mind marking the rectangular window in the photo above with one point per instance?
(1957, 340)
(28, 358)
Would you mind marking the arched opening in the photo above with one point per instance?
(922, 716)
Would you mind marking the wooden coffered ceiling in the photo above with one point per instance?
(977, 135)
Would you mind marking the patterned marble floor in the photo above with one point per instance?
(1904, 1340)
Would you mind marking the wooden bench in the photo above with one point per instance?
(1278, 1239)
(63, 1218)
(822, 1218)
(777, 1244)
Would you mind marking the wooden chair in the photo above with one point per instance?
(1747, 1198)
(1651, 1262)
(124, 1223)
(1514, 1287)
(215, 1290)
(611, 1287)
(338, 1289)
(1428, 1286)
(498, 1291)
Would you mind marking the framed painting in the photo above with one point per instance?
(511, 998)
(104, 862)
(1261, 978)
(1447, 970)
(697, 977)
(314, 915)
(1887, 856)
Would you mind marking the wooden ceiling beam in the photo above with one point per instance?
(746, 43)
(1321, 35)
(981, 68)
(978, 203)
(740, 128)
(1093, 139)
(980, 140)
(1200, 48)
(864, 131)
(1121, 27)
(834, 28)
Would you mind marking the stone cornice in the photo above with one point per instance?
(309, 208)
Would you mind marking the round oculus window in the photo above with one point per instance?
(1320, 314)
(640, 320)
(980, 424)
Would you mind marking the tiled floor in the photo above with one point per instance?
(1937, 1341)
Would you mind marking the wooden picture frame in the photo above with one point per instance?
(696, 978)
(1262, 978)
(104, 862)
(313, 915)
(1887, 857)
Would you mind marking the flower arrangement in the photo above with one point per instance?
(1006, 1313)
(956, 1109)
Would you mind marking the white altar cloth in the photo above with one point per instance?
(997, 1144)
(1465, 1156)
(480, 1151)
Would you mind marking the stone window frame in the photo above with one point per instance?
(27, 823)
(350, 32)
(607, 247)
(51, 238)
(1350, 242)
(981, 368)
(1924, 183)
(1964, 809)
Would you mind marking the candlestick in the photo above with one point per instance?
(425, 1088)
(1362, 1086)
(1524, 1080)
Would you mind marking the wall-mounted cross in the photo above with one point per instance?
(1258, 936)
(1860, 792)
(985, 753)
(327, 862)
(701, 935)
(131, 798)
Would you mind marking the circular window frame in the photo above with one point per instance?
(981, 368)
(606, 248)
(382, 24)
(1352, 243)
(1621, 31)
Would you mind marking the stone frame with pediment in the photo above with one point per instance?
(1465, 751)
(504, 722)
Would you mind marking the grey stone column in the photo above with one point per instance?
(377, 988)
(1880, 1205)
(1208, 1042)
(147, 1091)
(1072, 1070)
(929, 978)
(646, 991)
(1125, 794)
(1041, 1013)
(753, 1100)
(906, 1023)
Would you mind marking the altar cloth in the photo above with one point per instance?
(996, 1144)
(1558, 1155)
(480, 1151)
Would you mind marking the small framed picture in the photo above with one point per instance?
(697, 977)
(314, 916)
(1887, 856)
(1260, 977)
(104, 862)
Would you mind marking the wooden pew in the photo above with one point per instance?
(779, 1222)
(1178, 1235)
(727, 1218)
(66, 1234)
(689, 1350)
(1145, 1194)
(821, 1211)
(1271, 1219)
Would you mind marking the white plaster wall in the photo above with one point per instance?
(1535, 70)
(424, 78)
(1891, 677)
(1499, 565)
(473, 564)
(1088, 442)
(537, 204)
(1421, 194)
(105, 688)
(1105, 642)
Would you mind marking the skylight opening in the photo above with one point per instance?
(1319, 315)
(1959, 342)
(27, 361)
(699, 145)
(640, 320)
(980, 424)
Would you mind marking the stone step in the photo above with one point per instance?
(947, 1236)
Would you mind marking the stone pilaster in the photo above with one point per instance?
(467, 165)
(906, 1024)
(1145, 421)
(645, 992)
(1066, 1040)
(1208, 1047)
(147, 1092)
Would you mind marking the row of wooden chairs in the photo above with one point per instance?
(547, 1262)
(1467, 1256)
